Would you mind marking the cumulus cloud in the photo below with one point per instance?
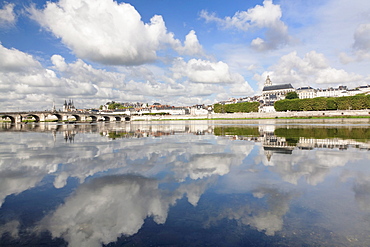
(361, 44)
(7, 15)
(13, 60)
(313, 70)
(360, 47)
(25, 83)
(191, 45)
(362, 37)
(241, 89)
(204, 71)
(23, 77)
(109, 32)
(266, 17)
(82, 72)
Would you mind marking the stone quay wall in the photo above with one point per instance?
(257, 115)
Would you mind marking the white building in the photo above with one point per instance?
(198, 110)
(309, 92)
(364, 89)
(272, 93)
(306, 92)
(332, 92)
(170, 111)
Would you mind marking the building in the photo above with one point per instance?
(272, 93)
(364, 89)
(69, 107)
(199, 110)
(306, 92)
(332, 92)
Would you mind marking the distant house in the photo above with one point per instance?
(198, 110)
(306, 92)
(332, 92)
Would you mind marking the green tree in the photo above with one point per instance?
(114, 105)
(238, 107)
(356, 102)
(292, 95)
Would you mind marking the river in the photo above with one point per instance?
(186, 183)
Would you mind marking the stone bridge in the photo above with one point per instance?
(42, 116)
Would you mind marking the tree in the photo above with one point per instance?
(292, 95)
(114, 105)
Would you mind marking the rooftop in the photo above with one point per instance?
(277, 87)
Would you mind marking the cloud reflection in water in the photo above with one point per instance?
(125, 181)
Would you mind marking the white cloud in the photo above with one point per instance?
(241, 89)
(267, 16)
(28, 85)
(204, 71)
(7, 15)
(82, 72)
(362, 38)
(360, 47)
(313, 70)
(108, 32)
(191, 45)
(12, 60)
(361, 44)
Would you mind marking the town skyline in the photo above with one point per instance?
(140, 51)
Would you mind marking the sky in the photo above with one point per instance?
(178, 53)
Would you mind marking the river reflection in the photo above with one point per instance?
(191, 183)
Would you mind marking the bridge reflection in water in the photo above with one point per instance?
(42, 116)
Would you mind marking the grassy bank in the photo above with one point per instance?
(308, 117)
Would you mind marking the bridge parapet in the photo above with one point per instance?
(17, 117)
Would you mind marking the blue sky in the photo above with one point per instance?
(175, 52)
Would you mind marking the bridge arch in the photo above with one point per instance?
(105, 118)
(93, 118)
(37, 118)
(117, 118)
(60, 117)
(77, 117)
(12, 119)
(127, 118)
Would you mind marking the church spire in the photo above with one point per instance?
(268, 82)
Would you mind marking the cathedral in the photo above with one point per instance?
(69, 107)
(272, 93)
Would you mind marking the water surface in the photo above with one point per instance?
(186, 183)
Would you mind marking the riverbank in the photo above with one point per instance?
(261, 115)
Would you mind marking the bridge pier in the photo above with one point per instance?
(42, 118)
(18, 119)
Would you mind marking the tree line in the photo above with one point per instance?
(238, 107)
(357, 102)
